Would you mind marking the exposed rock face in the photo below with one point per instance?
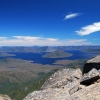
(59, 86)
(49, 94)
(4, 97)
(90, 77)
(94, 60)
(65, 78)
(92, 63)
(69, 84)
(91, 92)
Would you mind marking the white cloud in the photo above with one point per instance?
(2, 38)
(89, 29)
(52, 39)
(78, 42)
(40, 41)
(71, 15)
(26, 37)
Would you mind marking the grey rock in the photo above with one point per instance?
(91, 77)
(63, 78)
(72, 87)
(65, 85)
(94, 60)
(66, 78)
(59, 86)
(92, 63)
(91, 92)
(49, 94)
(81, 87)
(93, 73)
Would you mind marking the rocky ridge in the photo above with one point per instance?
(70, 84)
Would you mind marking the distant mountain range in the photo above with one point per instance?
(97, 51)
(39, 49)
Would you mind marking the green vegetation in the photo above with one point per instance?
(57, 54)
(18, 70)
(20, 77)
(18, 91)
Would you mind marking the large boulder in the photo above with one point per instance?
(62, 78)
(65, 78)
(92, 63)
(90, 77)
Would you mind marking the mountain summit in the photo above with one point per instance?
(70, 84)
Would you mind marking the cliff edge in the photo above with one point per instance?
(69, 84)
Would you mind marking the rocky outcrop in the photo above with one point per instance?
(92, 63)
(69, 84)
(4, 97)
(59, 86)
(49, 94)
(90, 77)
(65, 78)
(91, 92)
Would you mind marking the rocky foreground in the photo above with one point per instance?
(70, 84)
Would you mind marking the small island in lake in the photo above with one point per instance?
(57, 54)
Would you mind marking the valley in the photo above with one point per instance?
(17, 75)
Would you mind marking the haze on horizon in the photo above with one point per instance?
(49, 22)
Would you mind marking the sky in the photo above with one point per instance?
(49, 22)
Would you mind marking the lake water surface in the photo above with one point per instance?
(37, 57)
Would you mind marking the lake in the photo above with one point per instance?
(37, 57)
